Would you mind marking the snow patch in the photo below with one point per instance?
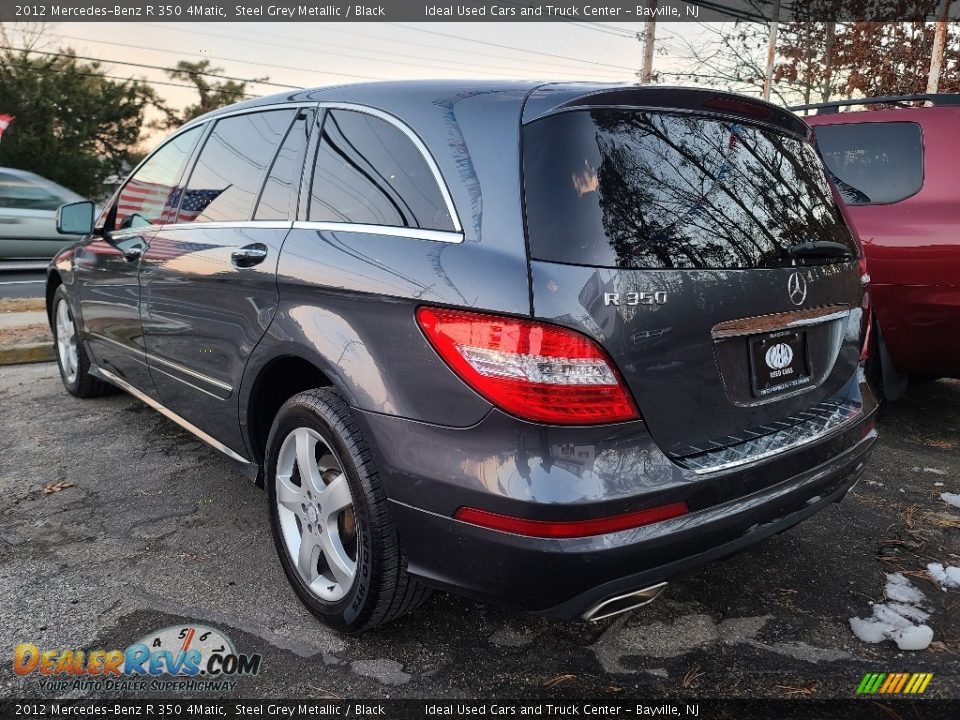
(875, 483)
(948, 576)
(951, 498)
(900, 589)
(901, 619)
(934, 471)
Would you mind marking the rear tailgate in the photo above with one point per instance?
(705, 251)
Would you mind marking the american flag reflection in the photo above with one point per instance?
(157, 203)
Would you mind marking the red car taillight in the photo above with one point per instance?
(866, 329)
(570, 528)
(532, 370)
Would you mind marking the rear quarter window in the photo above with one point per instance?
(638, 189)
(873, 163)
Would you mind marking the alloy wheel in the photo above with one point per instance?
(315, 510)
(66, 342)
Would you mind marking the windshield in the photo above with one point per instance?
(635, 189)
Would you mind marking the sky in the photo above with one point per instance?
(312, 54)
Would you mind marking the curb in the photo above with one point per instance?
(35, 353)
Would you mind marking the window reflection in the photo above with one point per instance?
(672, 192)
(368, 172)
(233, 163)
(150, 196)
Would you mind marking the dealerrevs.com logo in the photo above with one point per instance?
(182, 658)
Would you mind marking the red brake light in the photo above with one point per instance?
(866, 329)
(570, 529)
(741, 107)
(532, 370)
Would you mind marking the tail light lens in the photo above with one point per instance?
(866, 329)
(570, 528)
(529, 369)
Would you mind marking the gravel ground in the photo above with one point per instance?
(152, 528)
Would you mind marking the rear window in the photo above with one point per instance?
(873, 163)
(632, 189)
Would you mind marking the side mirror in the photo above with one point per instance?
(75, 218)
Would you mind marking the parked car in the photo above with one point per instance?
(543, 345)
(899, 174)
(28, 208)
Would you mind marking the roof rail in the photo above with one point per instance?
(828, 108)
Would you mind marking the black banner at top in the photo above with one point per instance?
(620, 11)
(175, 708)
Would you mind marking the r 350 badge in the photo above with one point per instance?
(635, 298)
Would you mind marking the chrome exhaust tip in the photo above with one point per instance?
(623, 603)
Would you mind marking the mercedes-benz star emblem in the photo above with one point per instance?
(797, 288)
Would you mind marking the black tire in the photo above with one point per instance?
(83, 384)
(382, 589)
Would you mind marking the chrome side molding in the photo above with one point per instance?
(251, 469)
(623, 603)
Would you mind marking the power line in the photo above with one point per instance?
(323, 49)
(606, 29)
(145, 66)
(214, 57)
(509, 47)
(141, 80)
(551, 66)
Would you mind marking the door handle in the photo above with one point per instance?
(249, 255)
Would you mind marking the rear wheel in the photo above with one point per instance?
(329, 517)
(71, 357)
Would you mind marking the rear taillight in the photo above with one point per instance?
(866, 328)
(529, 369)
(570, 528)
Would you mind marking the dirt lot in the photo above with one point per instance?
(149, 528)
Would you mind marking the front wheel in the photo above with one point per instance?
(329, 518)
(71, 357)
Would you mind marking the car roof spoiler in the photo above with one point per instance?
(830, 108)
(552, 99)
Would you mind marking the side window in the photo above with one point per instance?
(228, 175)
(873, 163)
(23, 194)
(369, 172)
(279, 198)
(150, 197)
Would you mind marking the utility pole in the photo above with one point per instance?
(649, 34)
(939, 44)
(771, 50)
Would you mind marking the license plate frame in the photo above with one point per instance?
(775, 370)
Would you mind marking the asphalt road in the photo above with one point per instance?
(157, 529)
(21, 283)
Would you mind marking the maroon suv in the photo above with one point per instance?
(898, 169)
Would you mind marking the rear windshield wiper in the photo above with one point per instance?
(819, 251)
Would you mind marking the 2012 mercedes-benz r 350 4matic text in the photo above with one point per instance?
(544, 345)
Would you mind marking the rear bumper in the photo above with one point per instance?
(505, 466)
(565, 578)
